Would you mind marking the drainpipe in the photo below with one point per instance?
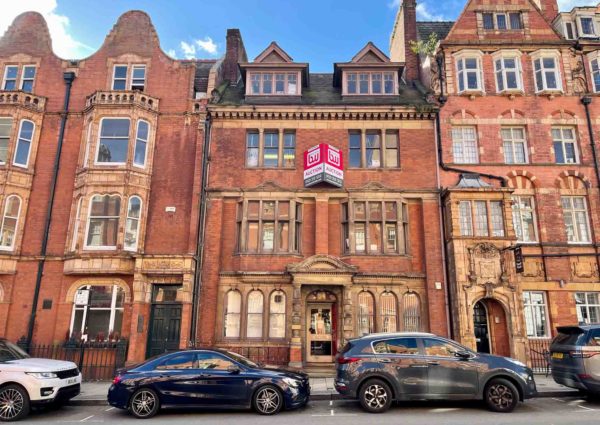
(199, 256)
(69, 77)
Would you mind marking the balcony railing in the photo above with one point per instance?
(23, 99)
(122, 98)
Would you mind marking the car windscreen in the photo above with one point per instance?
(570, 336)
(10, 351)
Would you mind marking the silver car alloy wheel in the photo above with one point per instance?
(11, 403)
(268, 400)
(376, 396)
(500, 395)
(143, 403)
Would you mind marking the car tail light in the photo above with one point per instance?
(117, 379)
(347, 360)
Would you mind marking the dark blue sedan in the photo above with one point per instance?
(206, 378)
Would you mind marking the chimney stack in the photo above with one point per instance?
(549, 8)
(409, 12)
(235, 53)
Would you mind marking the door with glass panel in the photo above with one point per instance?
(320, 328)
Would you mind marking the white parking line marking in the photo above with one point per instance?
(331, 402)
(85, 419)
(586, 408)
(109, 409)
(558, 399)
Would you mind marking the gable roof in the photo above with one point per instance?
(426, 28)
(370, 53)
(273, 53)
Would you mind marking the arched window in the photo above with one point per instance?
(277, 315)
(24, 143)
(389, 312)
(233, 309)
(366, 310)
(10, 220)
(5, 128)
(254, 324)
(97, 313)
(103, 221)
(412, 312)
(141, 142)
(76, 224)
(132, 224)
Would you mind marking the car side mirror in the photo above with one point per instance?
(234, 370)
(463, 355)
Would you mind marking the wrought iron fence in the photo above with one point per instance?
(97, 361)
(279, 356)
(539, 355)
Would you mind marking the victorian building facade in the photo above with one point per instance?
(517, 129)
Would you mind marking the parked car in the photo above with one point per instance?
(26, 382)
(208, 378)
(575, 357)
(379, 368)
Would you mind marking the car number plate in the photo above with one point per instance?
(71, 381)
(557, 355)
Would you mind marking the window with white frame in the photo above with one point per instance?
(576, 219)
(277, 314)
(481, 218)
(508, 72)
(28, 78)
(536, 316)
(278, 148)
(113, 142)
(524, 220)
(586, 26)
(233, 314)
(24, 141)
(547, 72)
(254, 322)
(469, 73)
(588, 307)
(97, 313)
(464, 145)
(11, 73)
(595, 66)
(370, 83)
(5, 130)
(132, 224)
(502, 21)
(76, 224)
(274, 83)
(141, 143)
(514, 145)
(10, 221)
(388, 307)
(565, 145)
(569, 31)
(103, 222)
(129, 77)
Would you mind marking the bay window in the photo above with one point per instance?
(268, 227)
(508, 72)
(481, 218)
(5, 130)
(10, 221)
(469, 73)
(24, 141)
(375, 227)
(547, 72)
(141, 143)
(595, 65)
(97, 313)
(536, 316)
(103, 222)
(132, 223)
(524, 221)
(576, 219)
(113, 141)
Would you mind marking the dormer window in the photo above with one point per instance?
(129, 77)
(370, 83)
(274, 83)
(502, 21)
(569, 32)
(586, 25)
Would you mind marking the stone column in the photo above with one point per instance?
(347, 313)
(321, 225)
(296, 357)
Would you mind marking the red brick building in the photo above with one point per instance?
(518, 168)
(120, 254)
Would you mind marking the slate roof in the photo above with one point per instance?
(321, 91)
(201, 78)
(441, 28)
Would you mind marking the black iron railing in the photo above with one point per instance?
(97, 361)
(539, 355)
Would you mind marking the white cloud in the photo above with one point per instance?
(189, 50)
(208, 45)
(394, 4)
(63, 43)
(423, 12)
(172, 53)
(570, 4)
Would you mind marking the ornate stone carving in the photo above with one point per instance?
(487, 268)
(578, 75)
(584, 269)
(321, 264)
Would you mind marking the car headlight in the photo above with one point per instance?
(291, 382)
(518, 363)
(42, 375)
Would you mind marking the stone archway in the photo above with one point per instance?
(490, 326)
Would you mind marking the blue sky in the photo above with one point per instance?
(316, 31)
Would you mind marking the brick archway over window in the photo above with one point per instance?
(97, 282)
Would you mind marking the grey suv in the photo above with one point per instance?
(380, 368)
(575, 357)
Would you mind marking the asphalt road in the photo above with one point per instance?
(543, 411)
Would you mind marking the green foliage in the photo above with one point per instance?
(427, 47)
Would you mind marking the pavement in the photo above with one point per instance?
(94, 393)
(537, 411)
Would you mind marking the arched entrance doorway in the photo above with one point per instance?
(321, 327)
(491, 327)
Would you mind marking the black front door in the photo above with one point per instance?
(165, 321)
(480, 322)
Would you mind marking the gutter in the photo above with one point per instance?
(69, 77)
(199, 256)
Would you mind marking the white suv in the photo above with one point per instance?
(27, 382)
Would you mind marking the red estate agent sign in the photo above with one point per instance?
(323, 163)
